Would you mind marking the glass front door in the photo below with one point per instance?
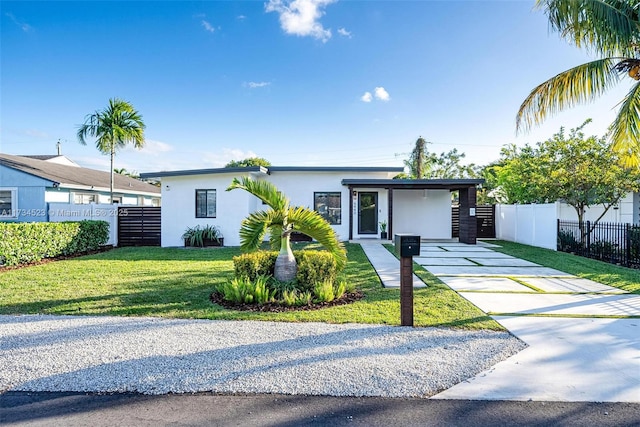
(367, 213)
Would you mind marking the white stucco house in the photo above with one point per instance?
(353, 199)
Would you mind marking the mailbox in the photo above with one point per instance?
(407, 245)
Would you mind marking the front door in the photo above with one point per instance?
(367, 213)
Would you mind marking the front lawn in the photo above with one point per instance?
(598, 271)
(176, 282)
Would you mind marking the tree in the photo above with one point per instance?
(251, 161)
(612, 29)
(125, 172)
(579, 171)
(425, 165)
(113, 128)
(281, 220)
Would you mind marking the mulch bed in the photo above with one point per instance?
(348, 298)
(53, 259)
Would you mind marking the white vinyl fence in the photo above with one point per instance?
(59, 212)
(534, 225)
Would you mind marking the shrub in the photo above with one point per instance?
(296, 298)
(196, 236)
(254, 264)
(91, 235)
(23, 242)
(567, 241)
(327, 291)
(324, 291)
(245, 290)
(315, 267)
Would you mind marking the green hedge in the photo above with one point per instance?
(313, 266)
(25, 242)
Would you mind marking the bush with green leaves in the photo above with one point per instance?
(244, 290)
(315, 280)
(25, 242)
(254, 264)
(315, 267)
(327, 291)
(196, 236)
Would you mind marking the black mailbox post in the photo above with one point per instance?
(407, 246)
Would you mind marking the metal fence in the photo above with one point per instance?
(607, 241)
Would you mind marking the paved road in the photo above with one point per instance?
(67, 409)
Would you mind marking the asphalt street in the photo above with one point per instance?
(73, 409)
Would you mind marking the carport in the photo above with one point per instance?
(465, 187)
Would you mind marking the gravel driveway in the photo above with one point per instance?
(158, 356)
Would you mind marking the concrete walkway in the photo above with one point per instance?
(578, 349)
(386, 264)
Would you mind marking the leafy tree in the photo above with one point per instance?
(251, 161)
(579, 171)
(610, 28)
(425, 165)
(113, 128)
(125, 172)
(281, 220)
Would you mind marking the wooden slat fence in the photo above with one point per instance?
(486, 217)
(138, 226)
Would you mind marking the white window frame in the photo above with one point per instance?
(14, 202)
(83, 195)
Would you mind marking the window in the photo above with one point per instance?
(84, 198)
(328, 205)
(205, 203)
(8, 205)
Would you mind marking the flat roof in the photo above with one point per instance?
(270, 169)
(248, 169)
(414, 184)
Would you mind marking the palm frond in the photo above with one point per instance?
(625, 130)
(254, 228)
(611, 27)
(315, 226)
(263, 190)
(577, 85)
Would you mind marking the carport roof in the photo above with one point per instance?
(414, 184)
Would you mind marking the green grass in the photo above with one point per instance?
(598, 271)
(175, 282)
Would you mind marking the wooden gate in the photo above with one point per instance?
(486, 217)
(138, 226)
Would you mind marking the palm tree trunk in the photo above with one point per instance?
(111, 181)
(286, 267)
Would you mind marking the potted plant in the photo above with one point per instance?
(203, 236)
(383, 230)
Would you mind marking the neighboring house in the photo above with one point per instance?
(29, 183)
(353, 199)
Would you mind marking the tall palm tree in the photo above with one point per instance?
(113, 128)
(612, 29)
(281, 220)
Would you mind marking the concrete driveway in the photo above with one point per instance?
(583, 336)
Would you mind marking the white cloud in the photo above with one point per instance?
(207, 26)
(155, 148)
(367, 97)
(241, 17)
(300, 17)
(254, 85)
(343, 32)
(23, 25)
(36, 133)
(381, 94)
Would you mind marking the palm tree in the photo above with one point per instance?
(281, 220)
(113, 128)
(611, 28)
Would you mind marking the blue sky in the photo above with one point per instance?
(309, 82)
